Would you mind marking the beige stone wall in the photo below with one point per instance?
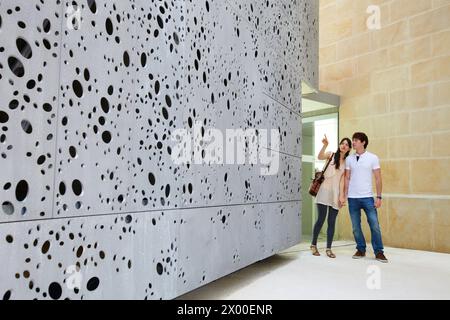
(395, 86)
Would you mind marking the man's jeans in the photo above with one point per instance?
(368, 205)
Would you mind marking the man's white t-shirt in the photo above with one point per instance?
(361, 171)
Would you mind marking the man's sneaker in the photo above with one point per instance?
(380, 257)
(359, 255)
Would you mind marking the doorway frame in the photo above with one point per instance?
(323, 105)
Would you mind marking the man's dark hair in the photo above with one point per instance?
(361, 136)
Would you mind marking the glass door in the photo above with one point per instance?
(320, 116)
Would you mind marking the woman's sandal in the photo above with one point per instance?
(314, 251)
(330, 254)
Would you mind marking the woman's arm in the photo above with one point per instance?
(322, 154)
(343, 187)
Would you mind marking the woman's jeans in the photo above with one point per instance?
(368, 205)
(322, 210)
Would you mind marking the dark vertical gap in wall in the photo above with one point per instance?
(55, 156)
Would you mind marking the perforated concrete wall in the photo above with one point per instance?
(92, 204)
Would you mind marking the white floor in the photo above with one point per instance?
(296, 274)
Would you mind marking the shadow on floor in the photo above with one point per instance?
(240, 278)
(234, 281)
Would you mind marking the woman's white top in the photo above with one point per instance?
(329, 190)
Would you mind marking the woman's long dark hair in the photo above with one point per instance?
(337, 155)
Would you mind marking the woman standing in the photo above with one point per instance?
(327, 199)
